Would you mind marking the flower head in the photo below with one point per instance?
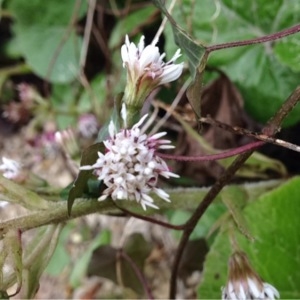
(244, 283)
(146, 70)
(10, 168)
(130, 167)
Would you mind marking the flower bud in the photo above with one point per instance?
(244, 282)
(146, 70)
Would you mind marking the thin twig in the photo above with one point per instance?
(148, 219)
(87, 34)
(163, 23)
(171, 108)
(243, 131)
(63, 40)
(94, 100)
(138, 273)
(267, 38)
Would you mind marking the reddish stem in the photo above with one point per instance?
(138, 273)
(151, 220)
(263, 39)
(217, 156)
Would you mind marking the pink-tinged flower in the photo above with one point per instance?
(130, 167)
(87, 125)
(27, 94)
(244, 283)
(146, 70)
(10, 168)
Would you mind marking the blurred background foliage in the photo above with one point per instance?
(72, 67)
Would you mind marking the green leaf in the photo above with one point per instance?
(15, 193)
(13, 245)
(263, 78)
(63, 102)
(1, 3)
(4, 295)
(106, 262)
(38, 254)
(202, 230)
(47, 13)
(265, 84)
(273, 220)
(235, 200)
(195, 52)
(41, 57)
(95, 95)
(80, 186)
(288, 52)
(81, 265)
(44, 37)
(128, 24)
(60, 258)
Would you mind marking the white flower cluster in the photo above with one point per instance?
(130, 167)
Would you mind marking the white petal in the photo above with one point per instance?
(102, 198)
(158, 135)
(242, 294)
(162, 194)
(168, 174)
(171, 73)
(127, 42)
(147, 198)
(175, 56)
(124, 55)
(86, 168)
(253, 288)
(141, 44)
(166, 147)
(270, 291)
(146, 203)
(231, 292)
(140, 122)
(149, 56)
(111, 129)
(124, 114)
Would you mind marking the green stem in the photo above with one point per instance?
(55, 215)
(17, 69)
(57, 212)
